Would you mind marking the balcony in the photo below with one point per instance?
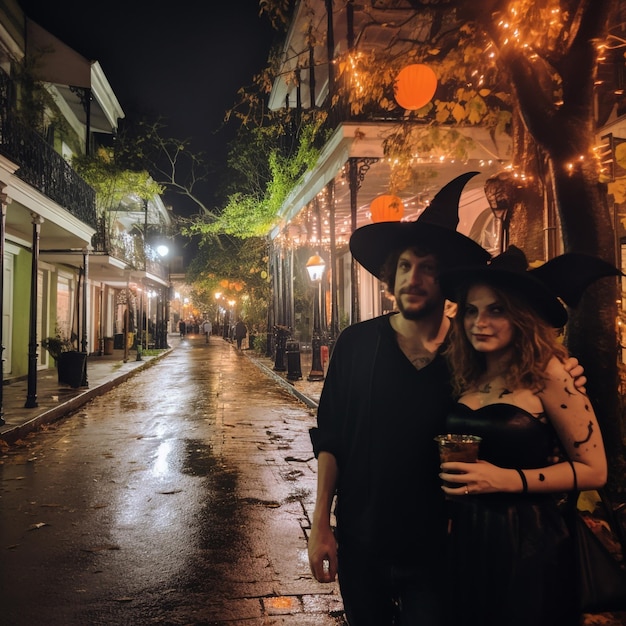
(130, 249)
(39, 164)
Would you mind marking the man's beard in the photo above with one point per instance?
(427, 308)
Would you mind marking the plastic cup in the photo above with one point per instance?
(463, 448)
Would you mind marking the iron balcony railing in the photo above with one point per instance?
(39, 164)
(129, 248)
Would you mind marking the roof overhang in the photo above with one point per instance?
(76, 81)
(365, 143)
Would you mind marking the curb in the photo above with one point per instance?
(284, 383)
(63, 410)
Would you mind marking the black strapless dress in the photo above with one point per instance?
(509, 557)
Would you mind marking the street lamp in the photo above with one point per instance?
(231, 316)
(315, 267)
(218, 295)
(139, 341)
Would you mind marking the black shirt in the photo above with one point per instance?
(378, 416)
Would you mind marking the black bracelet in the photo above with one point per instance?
(524, 481)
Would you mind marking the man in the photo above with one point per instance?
(384, 400)
(241, 330)
(207, 327)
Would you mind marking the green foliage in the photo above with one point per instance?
(243, 216)
(57, 344)
(236, 268)
(112, 182)
(260, 342)
(267, 179)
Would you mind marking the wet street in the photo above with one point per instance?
(182, 496)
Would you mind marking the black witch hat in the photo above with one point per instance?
(372, 244)
(562, 279)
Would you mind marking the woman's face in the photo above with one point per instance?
(486, 322)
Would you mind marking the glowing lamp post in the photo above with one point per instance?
(315, 267)
(218, 295)
(231, 317)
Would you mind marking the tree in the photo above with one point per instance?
(114, 186)
(236, 268)
(144, 145)
(266, 169)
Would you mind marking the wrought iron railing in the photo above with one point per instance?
(39, 164)
(130, 249)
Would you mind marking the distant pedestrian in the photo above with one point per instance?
(182, 328)
(206, 329)
(240, 332)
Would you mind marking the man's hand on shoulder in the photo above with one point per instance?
(577, 372)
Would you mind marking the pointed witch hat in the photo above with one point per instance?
(435, 228)
(562, 279)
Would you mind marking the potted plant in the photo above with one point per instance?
(71, 364)
(57, 345)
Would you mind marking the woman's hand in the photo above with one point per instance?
(462, 479)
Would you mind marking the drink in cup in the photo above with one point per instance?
(463, 448)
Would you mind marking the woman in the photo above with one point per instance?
(510, 556)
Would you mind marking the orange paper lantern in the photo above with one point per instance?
(387, 208)
(415, 86)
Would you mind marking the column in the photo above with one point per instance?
(31, 394)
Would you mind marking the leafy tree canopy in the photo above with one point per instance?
(237, 269)
(111, 181)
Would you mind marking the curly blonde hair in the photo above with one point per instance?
(535, 342)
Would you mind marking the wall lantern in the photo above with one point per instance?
(415, 86)
(387, 208)
(315, 267)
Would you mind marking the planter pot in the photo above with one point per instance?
(109, 344)
(72, 368)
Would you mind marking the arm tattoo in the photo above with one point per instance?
(577, 444)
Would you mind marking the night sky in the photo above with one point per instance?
(180, 61)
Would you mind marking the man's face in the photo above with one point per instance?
(416, 290)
